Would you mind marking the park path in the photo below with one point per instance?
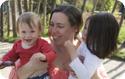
(115, 68)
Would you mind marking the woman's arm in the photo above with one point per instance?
(31, 67)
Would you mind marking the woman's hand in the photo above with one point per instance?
(32, 67)
(38, 57)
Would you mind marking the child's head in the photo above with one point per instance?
(102, 33)
(29, 27)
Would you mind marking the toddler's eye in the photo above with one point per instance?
(23, 31)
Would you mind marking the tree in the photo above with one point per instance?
(1, 22)
(94, 5)
(13, 17)
(83, 5)
(25, 6)
(45, 12)
(30, 5)
(19, 3)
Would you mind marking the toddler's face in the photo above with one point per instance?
(27, 34)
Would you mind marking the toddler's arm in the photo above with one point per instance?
(4, 64)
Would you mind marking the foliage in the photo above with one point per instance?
(109, 4)
(105, 5)
(121, 37)
(120, 54)
(89, 6)
(10, 39)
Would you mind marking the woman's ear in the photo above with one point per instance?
(76, 30)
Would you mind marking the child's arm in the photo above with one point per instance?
(4, 64)
(48, 51)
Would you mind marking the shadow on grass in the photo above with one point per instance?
(117, 58)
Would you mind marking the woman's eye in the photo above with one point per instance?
(32, 31)
(61, 26)
(51, 24)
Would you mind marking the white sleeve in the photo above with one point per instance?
(79, 69)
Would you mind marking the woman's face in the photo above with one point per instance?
(60, 28)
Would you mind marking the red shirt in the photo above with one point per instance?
(25, 54)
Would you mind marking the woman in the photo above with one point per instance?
(65, 23)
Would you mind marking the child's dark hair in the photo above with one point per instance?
(103, 30)
(74, 15)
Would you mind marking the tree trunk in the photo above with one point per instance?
(9, 19)
(94, 5)
(45, 11)
(1, 23)
(19, 3)
(30, 5)
(115, 4)
(25, 6)
(13, 17)
(54, 4)
(39, 3)
(83, 5)
(122, 18)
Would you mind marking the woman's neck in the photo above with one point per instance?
(59, 49)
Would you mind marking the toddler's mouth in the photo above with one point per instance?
(28, 40)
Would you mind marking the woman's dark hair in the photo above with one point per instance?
(103, 30)
(73, 14)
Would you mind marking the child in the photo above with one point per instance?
(101, 32)
(29, 29)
